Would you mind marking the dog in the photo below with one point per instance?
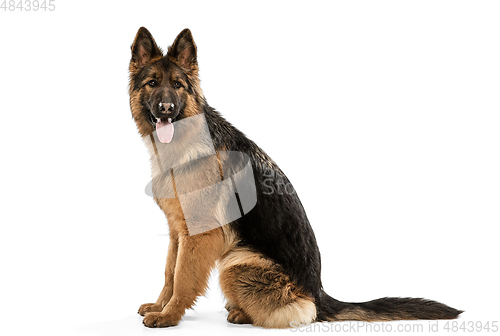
(268, 259)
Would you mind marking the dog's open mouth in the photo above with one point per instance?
(164, 129)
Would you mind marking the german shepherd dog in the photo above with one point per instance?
(268, 259)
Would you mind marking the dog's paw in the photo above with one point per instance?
(159, 320)
(149, 308)
(237, 316)
(230, 306)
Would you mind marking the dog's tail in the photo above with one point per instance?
(385, 309)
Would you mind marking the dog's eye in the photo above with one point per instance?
(152, 83)
(177, 85)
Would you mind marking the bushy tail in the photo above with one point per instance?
(385, 309)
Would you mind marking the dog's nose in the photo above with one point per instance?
(166, 107)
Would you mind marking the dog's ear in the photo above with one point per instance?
(183, 51)
(144, 49)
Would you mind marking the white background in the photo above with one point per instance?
(384, 115)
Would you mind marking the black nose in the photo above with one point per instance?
(166, 107)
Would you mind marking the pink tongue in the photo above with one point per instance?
(165, 131)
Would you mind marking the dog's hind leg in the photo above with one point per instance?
(259, 292)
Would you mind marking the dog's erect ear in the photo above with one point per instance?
(144, 49)
(183, 51)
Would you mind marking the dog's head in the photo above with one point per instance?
(163, 88)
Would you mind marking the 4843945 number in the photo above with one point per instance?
(28, 5)
(471, 326)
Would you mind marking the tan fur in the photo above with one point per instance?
(143, 125)
(220, 167)
(230, 239)
(303, 311)
(240, 256)
(358, 314)
(237, 316)
(259, 292)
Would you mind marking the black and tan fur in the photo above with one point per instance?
(268, 260)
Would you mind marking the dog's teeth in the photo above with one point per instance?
(169, 120)
(158, 120)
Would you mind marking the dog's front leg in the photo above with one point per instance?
(195, 259)
(167, 290)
